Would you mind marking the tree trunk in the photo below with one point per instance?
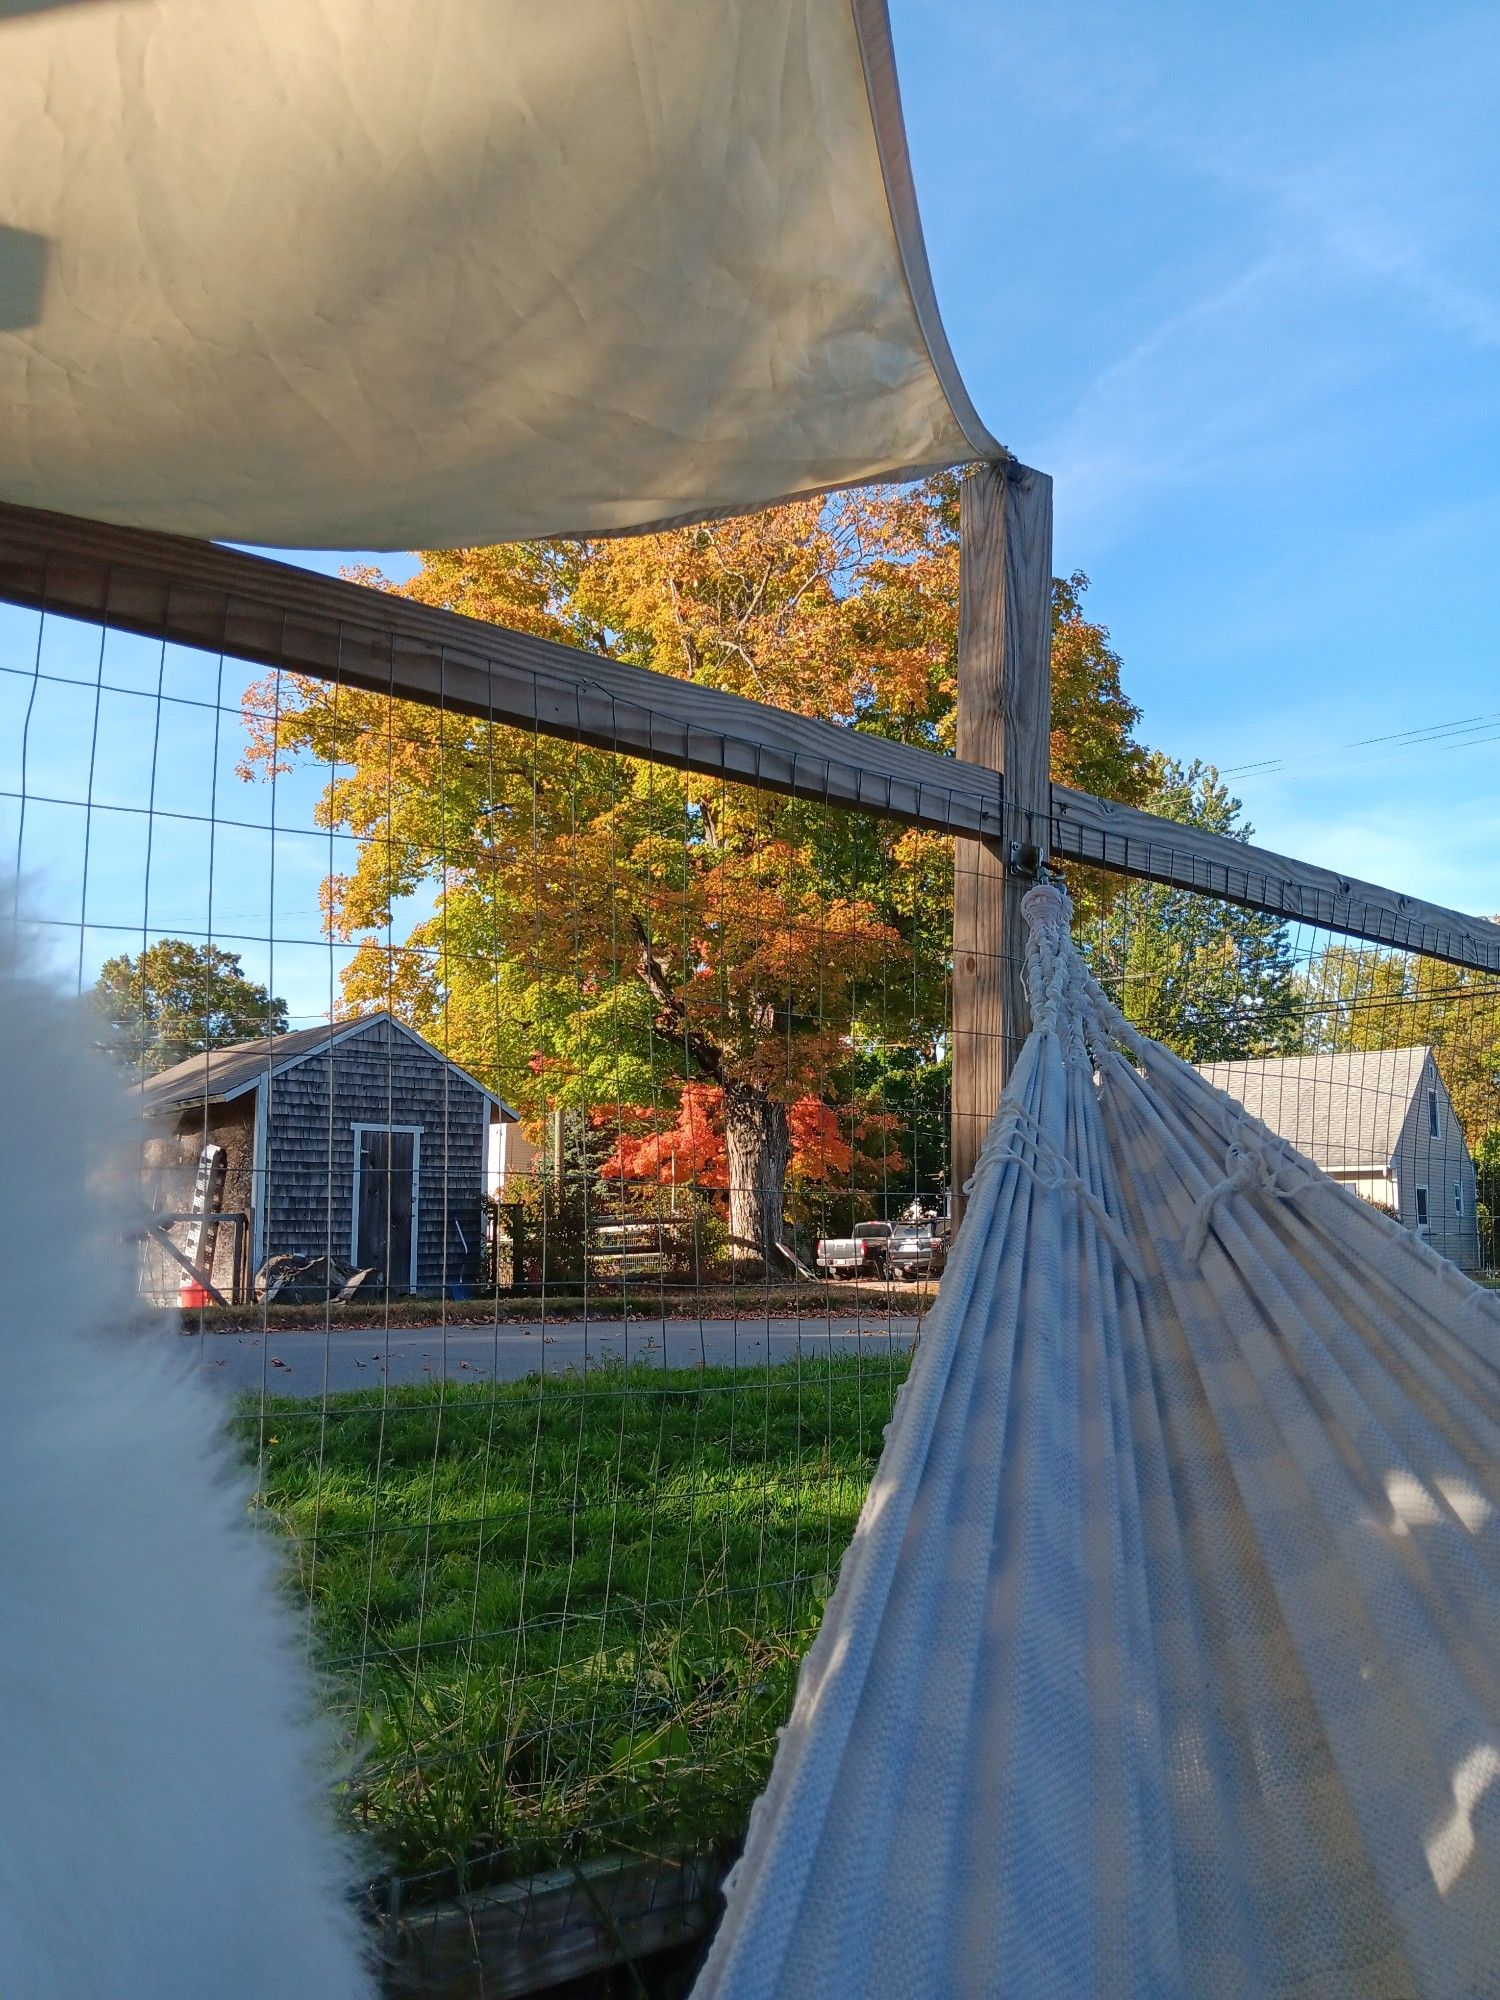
(758, 1142)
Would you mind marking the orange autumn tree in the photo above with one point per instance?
(826, 1147)
(602, 931)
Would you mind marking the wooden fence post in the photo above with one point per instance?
(1004, 721)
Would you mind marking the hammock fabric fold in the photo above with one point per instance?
(1165, 1660)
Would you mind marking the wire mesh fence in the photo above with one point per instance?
(547, 1152)
(1381, 1065)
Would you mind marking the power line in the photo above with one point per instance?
(1457, 735)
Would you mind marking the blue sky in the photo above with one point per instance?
(1232, 276)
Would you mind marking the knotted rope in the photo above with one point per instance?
(1017, 1140)
(1055, 979)
(1068, 1000)
(1254, 1164)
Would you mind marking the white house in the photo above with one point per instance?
(1381, 1122)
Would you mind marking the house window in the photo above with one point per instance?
(1458, 1199)
(1422, 1217)
(1432, 1114)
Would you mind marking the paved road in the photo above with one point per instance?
(310, 1364)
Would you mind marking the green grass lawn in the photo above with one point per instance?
(565, 1617)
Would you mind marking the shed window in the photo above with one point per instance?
(1458, 1199)
(1422, 1217)
(1432, 1114)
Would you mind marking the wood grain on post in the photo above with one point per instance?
(1004, 722)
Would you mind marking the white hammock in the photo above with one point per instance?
(1165, 1660)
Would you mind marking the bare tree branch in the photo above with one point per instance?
(671, 1016)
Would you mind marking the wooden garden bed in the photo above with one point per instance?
(534, 1934)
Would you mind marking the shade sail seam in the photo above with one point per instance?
(872, 25)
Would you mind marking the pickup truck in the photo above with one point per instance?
(917, 1249)
(862, 1255)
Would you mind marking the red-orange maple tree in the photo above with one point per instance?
(828, 1145)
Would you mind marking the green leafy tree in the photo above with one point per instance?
(1487, 1169)
(606, 932)
(1367, 997)
(1211, 981)
(176, 999)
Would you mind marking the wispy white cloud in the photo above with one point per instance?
(1206, 390)
(1352, 191)
(1442, 846)
(1232, 276)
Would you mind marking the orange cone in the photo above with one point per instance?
(190, 1294)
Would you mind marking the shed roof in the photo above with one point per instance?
(1345, 1112)
(359, 274)
(217, 1076)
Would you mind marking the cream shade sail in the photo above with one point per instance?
(367, 273)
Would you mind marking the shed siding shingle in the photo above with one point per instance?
(378, 1077)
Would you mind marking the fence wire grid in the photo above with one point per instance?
(547, 1154)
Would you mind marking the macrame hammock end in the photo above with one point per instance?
(1164, 1663)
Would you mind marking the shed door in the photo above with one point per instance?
(386, 1214)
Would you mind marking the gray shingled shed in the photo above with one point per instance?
(1382, 1122)
(355, 1141)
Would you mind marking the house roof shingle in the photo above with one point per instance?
(1345, 1112)
(216, 1076)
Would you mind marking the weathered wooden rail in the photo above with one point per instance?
(272, 614)
(527, 1936)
